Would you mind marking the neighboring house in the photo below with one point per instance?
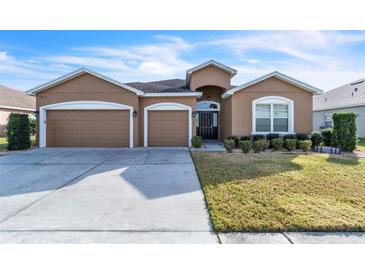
(12, 100)
(347, 98)
(85, 108)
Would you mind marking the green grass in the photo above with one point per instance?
(283, 192)
(4, 142)
(361, 144)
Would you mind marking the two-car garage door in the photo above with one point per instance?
(88, 128)
(112, 128)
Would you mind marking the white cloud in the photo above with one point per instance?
(304, 45)
(23, 74)
(321, 58)
(159, 60)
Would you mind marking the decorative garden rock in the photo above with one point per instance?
(326, 149)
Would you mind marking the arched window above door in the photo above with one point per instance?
(208, 106)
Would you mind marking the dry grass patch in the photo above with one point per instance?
(283, 192)
(361, 145)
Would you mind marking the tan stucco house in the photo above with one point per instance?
(13, 101)
(87, 109)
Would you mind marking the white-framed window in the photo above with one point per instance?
(272, 114)
(328, 122)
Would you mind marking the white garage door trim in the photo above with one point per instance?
(166, 106)
(80, 105)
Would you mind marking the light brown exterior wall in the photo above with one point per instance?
(226, 118)
(168, 128)
(88, 87)
(242, 105)
(147, 101)
(210, 76)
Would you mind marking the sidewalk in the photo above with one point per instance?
(294, 238)
(210, 145)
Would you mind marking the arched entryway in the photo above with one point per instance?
(208, 119)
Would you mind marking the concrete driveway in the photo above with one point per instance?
(85, 195)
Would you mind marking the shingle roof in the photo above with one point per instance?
(344, 96)
(164, 86)
(12, 98)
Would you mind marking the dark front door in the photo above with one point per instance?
(208, 125)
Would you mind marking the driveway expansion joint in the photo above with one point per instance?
(288, 238)
(53, 191)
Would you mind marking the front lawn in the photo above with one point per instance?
(4, 142)
(283, 192)
(361, 145)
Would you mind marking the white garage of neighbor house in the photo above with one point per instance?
(347, 98)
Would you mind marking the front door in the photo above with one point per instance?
(208, 125)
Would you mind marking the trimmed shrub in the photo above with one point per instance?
(272, 136)
(245, 138)
(344, 133)
(197, 141)
(290, 136)
(305, 145)
(327, 136)
(258, 146)
(277, 144)
(229, 144)
(246, 146)
(235, 139)
(316, 139)
(33, 125)
(18, 131)
(290, 144)
(302, 136)
(258, 137)
(266, 144)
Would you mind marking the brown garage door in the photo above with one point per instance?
(168, 128)
(87, 128)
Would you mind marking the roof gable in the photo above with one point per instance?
(75, 74)
(349, 95)
(277, 75)
(213, 63)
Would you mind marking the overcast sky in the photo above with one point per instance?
(325, 59)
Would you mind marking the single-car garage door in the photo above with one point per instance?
(168, 128)
(87, 128)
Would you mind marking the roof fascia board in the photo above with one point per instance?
(174, 94)
(338, 107)
(17, 108)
